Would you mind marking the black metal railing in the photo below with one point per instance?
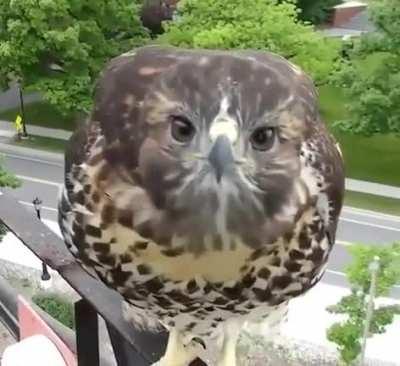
(131, 346)
(9, 308)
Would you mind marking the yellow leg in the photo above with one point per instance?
(177, 354)
(231, 335)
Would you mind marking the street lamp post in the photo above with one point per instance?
(37, 204)
(373, 268)
(21, 100)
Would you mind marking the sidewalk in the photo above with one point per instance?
(7, 130)
(372, 188)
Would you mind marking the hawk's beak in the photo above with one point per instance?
(221, 156)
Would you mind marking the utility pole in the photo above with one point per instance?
(373, 268)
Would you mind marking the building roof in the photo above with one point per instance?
(350, 4)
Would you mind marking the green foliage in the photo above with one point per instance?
(383, 317)
(373, 93)
(348, 334)
(359, 275)
(6, 180)
(78, 36)
(56, 306)
(254, 24)
(347, 337)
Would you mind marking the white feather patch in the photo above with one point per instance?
(223, 124)
(224, 127)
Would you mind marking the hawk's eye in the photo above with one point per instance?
(263, 138)
(182, 130)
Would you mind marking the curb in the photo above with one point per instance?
(32, 154)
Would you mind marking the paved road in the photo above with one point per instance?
(42, 178)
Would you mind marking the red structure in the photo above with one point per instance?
(343, 13)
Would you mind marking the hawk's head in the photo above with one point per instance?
(220, 141)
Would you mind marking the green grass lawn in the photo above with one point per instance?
(41, 114)
(371, 202)
(374, 159)
(332, 103)
(44, 143)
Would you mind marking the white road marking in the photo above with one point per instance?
(384, 227)
(342, 274)
(344, 243)
(337, 273)
(369, 213)
(33, 159)
(38, 180)
(43, 207)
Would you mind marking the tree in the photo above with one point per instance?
(348, 334)
(316, 11)
(256, 24)
(371, 78)
(6, 180)
(58, 47)
(154, 12)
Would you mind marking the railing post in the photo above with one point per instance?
(87, 334)
(124, 353)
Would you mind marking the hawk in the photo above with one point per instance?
(205, 189)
